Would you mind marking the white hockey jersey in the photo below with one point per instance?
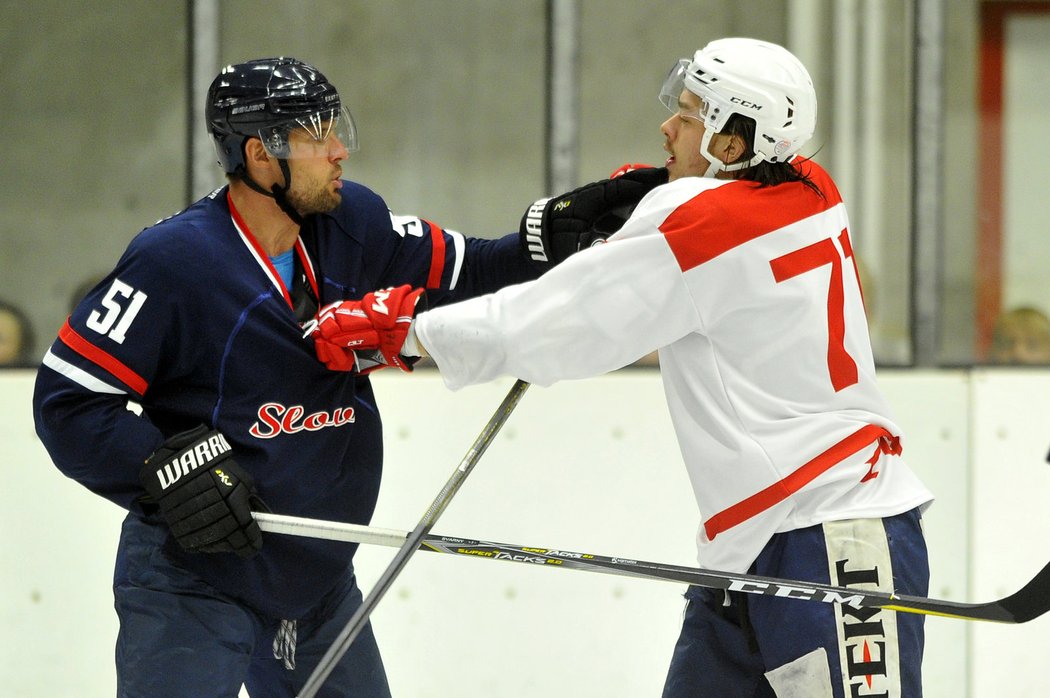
(752, 297)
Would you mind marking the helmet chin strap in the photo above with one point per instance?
(716, 165)
(278, 193)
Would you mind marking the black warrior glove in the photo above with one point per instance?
(553, 229)
(203, 495)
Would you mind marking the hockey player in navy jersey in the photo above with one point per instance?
(204, 322)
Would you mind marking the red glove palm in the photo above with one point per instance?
(377, 323)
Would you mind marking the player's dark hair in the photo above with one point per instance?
(767, 174)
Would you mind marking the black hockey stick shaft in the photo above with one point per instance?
(412, 543)
(1032, 601)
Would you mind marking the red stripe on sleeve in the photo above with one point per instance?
(784, 488)
(719, 219)
(102, 359)
(437, 259)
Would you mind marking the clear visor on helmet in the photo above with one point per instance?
(311, 136)
(694, 105)
(671, 92)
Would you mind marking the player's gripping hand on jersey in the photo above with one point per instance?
(204, 496)
(552, 229)
(366, 334)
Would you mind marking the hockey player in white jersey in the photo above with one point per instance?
(741, 273)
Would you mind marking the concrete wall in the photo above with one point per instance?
(449, 98)
(589, 466)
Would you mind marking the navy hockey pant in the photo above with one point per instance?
(764, 646)
(180, 638)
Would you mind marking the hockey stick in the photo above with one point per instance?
(412, 542)
(1032, 601)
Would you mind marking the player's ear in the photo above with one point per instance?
(255, 155)
(734, 149)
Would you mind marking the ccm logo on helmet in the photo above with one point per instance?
(745, 103)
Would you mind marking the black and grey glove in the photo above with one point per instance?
(552, 229)
(204, 496)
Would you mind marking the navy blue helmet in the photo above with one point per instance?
(266, 99)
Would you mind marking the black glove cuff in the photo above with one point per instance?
(533, 241)
(182, 458)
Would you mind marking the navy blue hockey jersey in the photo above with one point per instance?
(195, 325)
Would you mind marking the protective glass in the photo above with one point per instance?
(670, 94)
(311, 136)
(673, 85)
(672, 90)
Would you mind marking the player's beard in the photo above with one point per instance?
(313, 197)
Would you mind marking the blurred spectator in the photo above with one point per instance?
(1021, 336)
(16, 337)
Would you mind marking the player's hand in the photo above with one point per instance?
(631, 167)
(366, 334)
(553, 229)
(204, 496)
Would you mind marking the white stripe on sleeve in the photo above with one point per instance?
(79, 376)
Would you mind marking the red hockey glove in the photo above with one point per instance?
(346, 332)
(629, 167)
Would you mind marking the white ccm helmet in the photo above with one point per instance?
(756, 79)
